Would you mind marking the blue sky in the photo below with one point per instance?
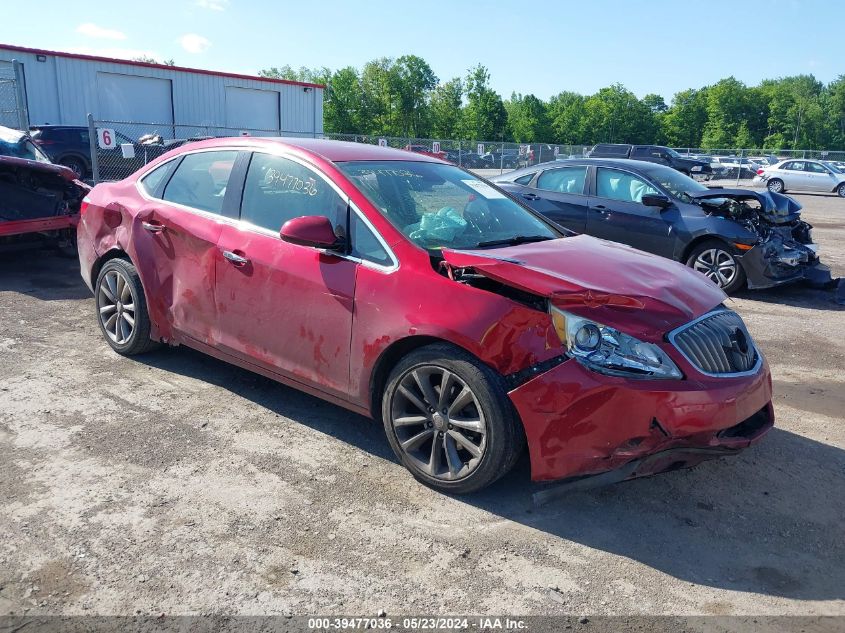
(530, 46)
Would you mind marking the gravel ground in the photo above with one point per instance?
(175, 483)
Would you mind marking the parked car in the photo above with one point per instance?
(39, 201)
(651, 154)
(425, 150)
(70, 145)
(734, 166)
(735, 237)
(405, 288)
(802, 175)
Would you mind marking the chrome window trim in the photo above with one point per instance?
(243, 225)
(671, 336)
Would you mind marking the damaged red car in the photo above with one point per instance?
(39, 201)
(407, 289)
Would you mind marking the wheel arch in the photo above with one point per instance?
(116, 252)
(392, 354)
(700, 239)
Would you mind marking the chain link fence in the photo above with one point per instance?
(13, 112)
(119, 148)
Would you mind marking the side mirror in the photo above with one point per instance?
(314, 230)
(656, 200)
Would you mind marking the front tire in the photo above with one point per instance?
(840, 190)
(775, 185)
(449, 420)
(122, 308)
(714, 260)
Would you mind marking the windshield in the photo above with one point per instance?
(832, 167)
(676, 183)
(673, 153)
(441, 206)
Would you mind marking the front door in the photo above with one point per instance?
(175, 239)
(281, 306)
(617, 213)
(819, 177)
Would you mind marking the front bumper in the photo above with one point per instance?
(578, 422)
(765, 269)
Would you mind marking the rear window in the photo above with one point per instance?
(200, 180)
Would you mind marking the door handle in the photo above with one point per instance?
(153, 227)
(600, 208)
(530, 196)
(236, 259)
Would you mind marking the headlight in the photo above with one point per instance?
(696, 168)
(609, 351)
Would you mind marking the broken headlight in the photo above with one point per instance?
(608, 351)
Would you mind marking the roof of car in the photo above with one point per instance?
(335, 151)
(635, 165)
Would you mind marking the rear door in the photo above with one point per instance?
(559, 194)
(617, 213)
(281, 306)
(176, 234)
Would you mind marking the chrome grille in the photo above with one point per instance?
(717, 344)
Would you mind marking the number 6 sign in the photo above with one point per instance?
(105, 138)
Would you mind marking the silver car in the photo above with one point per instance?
(802, 175)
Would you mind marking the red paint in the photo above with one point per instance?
(126, 62)
(322, 323)
(309, 231)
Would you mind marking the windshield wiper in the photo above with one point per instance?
(513, 241)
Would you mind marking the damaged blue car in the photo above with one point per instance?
(738, 238)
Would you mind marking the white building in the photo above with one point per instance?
(63, 88)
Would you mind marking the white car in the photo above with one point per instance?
(802, 175)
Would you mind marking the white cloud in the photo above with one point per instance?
(119, 53)
(212, 5)
(89, 29)
(194, 43)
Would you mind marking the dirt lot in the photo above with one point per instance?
(175, 483)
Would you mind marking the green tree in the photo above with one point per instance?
(414, 81)
(683, 123)
(343, 110)
(445, 104)
(528, 120)
(566, 114)
(484, 117)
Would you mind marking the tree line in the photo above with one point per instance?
(403, 97)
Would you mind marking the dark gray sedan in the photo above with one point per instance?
(735, 237)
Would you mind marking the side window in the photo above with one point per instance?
(200, 180)
(815, 168)
(524, 180)
(278, 189)
(365, 244)
(563, 180)
(795, 166)
(152, 182)
(619, 185)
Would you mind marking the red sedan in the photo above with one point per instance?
(405, 288)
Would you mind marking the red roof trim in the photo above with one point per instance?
(127, 62)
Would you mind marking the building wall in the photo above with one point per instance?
(63, 90)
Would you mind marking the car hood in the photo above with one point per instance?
(10, 163)
(774, 207)
(632, 291)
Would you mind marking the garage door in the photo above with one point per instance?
(250, 109)
(133, 98)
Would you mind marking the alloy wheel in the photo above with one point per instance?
(718, 265)
(438, 422)
(116, 305)
(775, 186)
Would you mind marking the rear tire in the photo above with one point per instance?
(715, 261)
(470, 437)
(775, 185)
(122, 308)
